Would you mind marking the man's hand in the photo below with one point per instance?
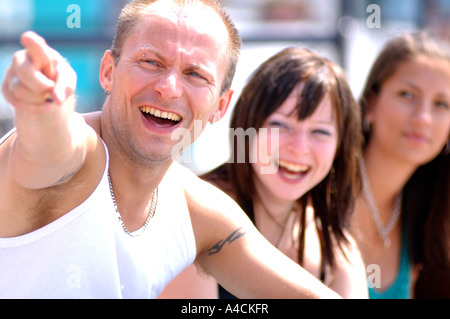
(50, 142)
(38, 76)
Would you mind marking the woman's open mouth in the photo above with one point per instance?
(291, 170)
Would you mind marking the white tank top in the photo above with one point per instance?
(86, 254)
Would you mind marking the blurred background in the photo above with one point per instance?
(350, 32)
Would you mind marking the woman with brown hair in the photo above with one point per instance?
(401, 221)
(294, 165)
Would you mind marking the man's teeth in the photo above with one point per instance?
(293, 167)
(158, 113)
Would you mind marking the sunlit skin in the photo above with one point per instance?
(172, 62)
(169, 64)
(305, 150)
(159, 69)
(303, 153)
(410, 125)
(411, 116)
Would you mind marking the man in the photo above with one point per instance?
(68, 228)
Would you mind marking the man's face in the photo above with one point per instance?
(169, 76)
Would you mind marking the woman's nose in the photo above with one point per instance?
(422, 115)
(299, 142)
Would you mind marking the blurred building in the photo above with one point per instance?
(350, 32)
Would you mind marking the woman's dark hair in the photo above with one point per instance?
(427, 207)
(426, 200)
(266, 90)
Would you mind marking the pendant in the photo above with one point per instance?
(387, 242)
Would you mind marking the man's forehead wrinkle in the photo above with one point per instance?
(177, 35)
(192, 32)
(180, 20)
(184, 24)
(194, 12)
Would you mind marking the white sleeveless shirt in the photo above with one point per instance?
(86, 254)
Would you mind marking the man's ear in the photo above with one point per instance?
(106, 71)
(222, 107)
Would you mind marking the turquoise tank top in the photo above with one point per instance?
(401, 288)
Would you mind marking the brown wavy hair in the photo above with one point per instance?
(269, 86)
(426, 200)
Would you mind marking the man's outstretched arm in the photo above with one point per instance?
(232, 250)
(50, 142)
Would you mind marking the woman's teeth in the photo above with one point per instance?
(296, 168)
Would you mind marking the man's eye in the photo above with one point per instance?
(151, 62)
(195, 74)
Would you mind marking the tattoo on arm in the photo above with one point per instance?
(68, 175)
(65, 177)
(238, 233)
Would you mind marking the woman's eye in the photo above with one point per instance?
(278, 124)
(406, 94)
(442, 104)
(322, 132)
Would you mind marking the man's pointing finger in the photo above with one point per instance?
(39, 53)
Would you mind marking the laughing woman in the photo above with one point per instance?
(294, 164)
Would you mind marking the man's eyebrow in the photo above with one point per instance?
(161, 57)
(146, 49)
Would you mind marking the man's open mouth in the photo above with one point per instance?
(160, 118)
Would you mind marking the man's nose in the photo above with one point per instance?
(169, 85)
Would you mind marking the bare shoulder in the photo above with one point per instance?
(93, 120)
(349, 276)
(205, 199)
(200, 195)
(351, 249)
(25, 209)
(214, 215)
(348, 255)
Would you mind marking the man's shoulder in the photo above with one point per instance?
(180, 174)
(187, 179)
(93, 120)
(203, 198)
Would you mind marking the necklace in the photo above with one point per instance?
(383, 230)
(149, 217)
(281, 226)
